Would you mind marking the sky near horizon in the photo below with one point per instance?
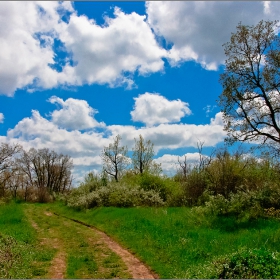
(73, 75)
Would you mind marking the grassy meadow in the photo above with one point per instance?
(177, 242)
(34, 243)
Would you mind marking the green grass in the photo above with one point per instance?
(175, 242)
(84, 254)
(13, 222)
(20, 251)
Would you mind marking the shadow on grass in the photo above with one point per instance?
(234, 224)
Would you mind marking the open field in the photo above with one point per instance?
(54, 247)
(173, 242)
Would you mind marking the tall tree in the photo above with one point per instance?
(46, 171)
(250, 99)
(143, 152)
(115, 158)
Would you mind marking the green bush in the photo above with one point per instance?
(249, 264)
(243, 205)
(149, 182)
(243, 264)
(114, 194)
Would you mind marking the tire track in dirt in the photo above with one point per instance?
(58, 265)
(137, 268)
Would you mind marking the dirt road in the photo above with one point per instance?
(81, 251)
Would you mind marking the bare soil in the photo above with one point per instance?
(137, 269)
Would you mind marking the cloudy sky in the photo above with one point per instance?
(73, 75)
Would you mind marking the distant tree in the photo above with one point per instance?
(115, 158)
(46, 171)
(143, 152)
(7, 164)
(250, 99)
(183, 168)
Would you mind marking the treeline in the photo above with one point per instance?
(224, 183)
(34, 175)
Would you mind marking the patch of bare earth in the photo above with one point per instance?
(137, 269)
(58, 266)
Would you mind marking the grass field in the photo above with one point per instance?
(41, 245)
(174, 241)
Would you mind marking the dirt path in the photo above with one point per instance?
(58, 265)
(137, 269)
(78, 250)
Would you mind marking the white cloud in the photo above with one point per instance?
(39, 132)
(152, 108)
(23, 61)
(218, 119)
(103, 53)
(198, 29)
(1, 117)
(75, 114)
(173, 136)
(109, 54)
(169, 163)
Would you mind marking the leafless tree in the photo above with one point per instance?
(46, 171)
(7, 163)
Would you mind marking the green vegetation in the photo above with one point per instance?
(177, 242)
(34, 244)
(218, 218)
(21, 255)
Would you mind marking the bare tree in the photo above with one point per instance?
(115, 158)
(143, 153)
(46, 171)
(250, 99)
(183, 168)
(7, 164)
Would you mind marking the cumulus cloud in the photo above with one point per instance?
(218, 119)
(198, 29)
(75, 114)
(152, 108)
(173, 136)
(26, 40)
(103, 53)
(38, 132)
(169, 163)
(1, 117)
(108, 54)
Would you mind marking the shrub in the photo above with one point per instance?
(243, 264)
(243, 205)
(249, 263)
(149, 181)
(114, 194)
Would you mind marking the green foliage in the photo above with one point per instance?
(246, 263)
(177, 242)
(114, 194)
(194, 185)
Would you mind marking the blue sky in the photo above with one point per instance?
(73, 75)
